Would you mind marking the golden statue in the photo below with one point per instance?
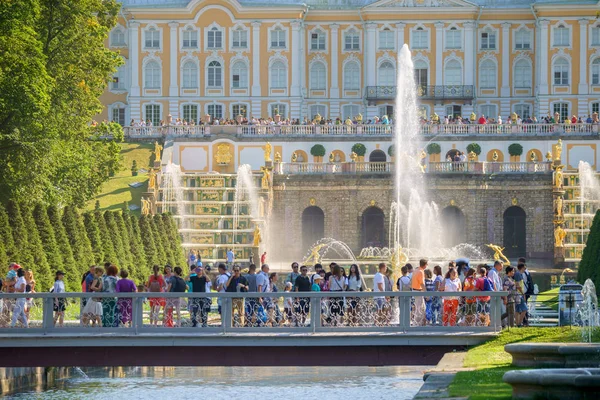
(266, 178)
(223, 155)
(514, 117)
(157, 149)
(268, 152)
(277, 157)
(397, 259)
(495, 156)
(558, 176)
(558, 150)
(359, 118)
(314, 256)
(473, 117)
(532, 156)
(331, 157)
(422, 158)
(559, 206)
(294, 157)
(548, 156)
(257, 239)
(472, 156)
(353, 156)
(498, 255)
(318, 118)
(151, 179)
(435, 118)
(559, 236)
(146, 206)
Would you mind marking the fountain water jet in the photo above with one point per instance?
(172, 189)
(246, 192)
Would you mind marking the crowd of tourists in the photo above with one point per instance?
(265, 309)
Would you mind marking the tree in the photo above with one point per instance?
(515, 149)
(108, 247)
(158, 242)
(588, 266)
(318, 150)
(164, 240)
(475, 148)
(6, 236)
(174, 238)
(129, 262)
(142, 269)
(113, 230)
(93, 234)
(433, 148)
(392, 150)
(48, 238)
(3, 256)
(359, 149)
(60, 236)
(148, 240)
(19, 234)
(80, 244)
(36, 248)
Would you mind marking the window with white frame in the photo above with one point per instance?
(151, 38)
(279, 108)
(487, 75)
(278, 37)
(239, 109)
(117, 37)
(352, 40)
(522, 74)
(562, 109)
(523, 39)
(152, 113)
(454, 111)
(596, 71)
(190, 38)
(318, 109)
(152, 75)
(240, 38)
(488, 40)
(595, 40)
(278, 75)
(386, 74)
(489, 110)
(239, 75)
(215, 75)
(453, 73)
(419, 38)
(317, 40)
(118, 82)
(118, 115)
(350, 111)
(421, 73)
(561, 36)
(190, 75)
(523, 110)
(596, 107)
(215, 111)
(318, 76)
(561, 72)
(453, 38)
(214, 38)
(190, 112)
(386, 39)
(386, 110)
(351, 76)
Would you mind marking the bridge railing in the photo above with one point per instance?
(135, 313)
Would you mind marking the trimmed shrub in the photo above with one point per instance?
(318, 150)
(434, 148)
(359, 149)
(588, 267)
(515, 149)
(475, 148)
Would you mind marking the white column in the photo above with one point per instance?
(583, 61)
(439, 50)
(296, 52)
(400, 34)
(256, 61)
(469, 50)
(371, 55)
(173, 69)
(505, 90)
(335, 90)
(134, 57)
(543, 51)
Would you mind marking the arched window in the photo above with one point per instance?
(190, 38)
(313, 226)
(117, 37)
(421, 73)
(453, 73)
(453, 220)
(278, 75)
(239, 75)
(487, 75)
(317, 40)
(596, 71)
(561, 72)
(386, 74)
(215, 38)
(522, 74)
(152, 75)
(351, 76)
(190, 75)
(373, 230)
(515, 225)
(377, 156)
(352, 40)
(215, 78)
(523, 39)
(318, 76)
(561, 36)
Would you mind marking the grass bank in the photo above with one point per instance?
(491, 361)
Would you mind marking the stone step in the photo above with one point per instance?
(543, 324)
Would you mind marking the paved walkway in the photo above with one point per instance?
(438, 380)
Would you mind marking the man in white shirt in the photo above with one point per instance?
(494, 276)
(19, 310)
(263, 285)
(222, 282)
(379, 286)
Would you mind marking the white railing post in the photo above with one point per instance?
(47, 314)
(137, 314)
(404, 308)
(315, 313)
(226, 313)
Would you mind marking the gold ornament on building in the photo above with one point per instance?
(558, 150)
(452, 202)
(146, 206)
(151, 178)
(435, 118)
(318, 118)
(422, 157)
(331, 157)
(353, 156)
(495, 156)
(559, 207)
(277, 157)
(548, 156)
(257, 238)
(266, 178)
(359, 118)
(473, 117)
(558, 177)
(532, 156)
(472, 156)
(157, 149)
(514, 201)
(312, 201)
(223, 155)
(559, 236)
(514, 117)
(268, 152)
(294, 157)
(498, 255)
(372, 203)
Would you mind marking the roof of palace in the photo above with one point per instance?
(363, 3)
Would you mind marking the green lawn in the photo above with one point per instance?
(491, 361)
(549, 298)
(117, 190)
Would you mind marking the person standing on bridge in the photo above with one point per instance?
(155, 284)
(124, 306)
(59, 303)
(221, 283)
(237, 283)
(19, 310)
(293, 275)
(200, 306)
(302, 304)
(110, 314)
(176, 285)
(451, 284)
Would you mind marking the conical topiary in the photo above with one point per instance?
(40, 267)
(61, 238)
(6, 235)
(93, 233)
(48, 238)
(108, 248)
(590, 260)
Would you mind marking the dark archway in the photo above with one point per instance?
(515, 229)
(454, 226)
(451, 153)
(373, 228)
(377, 156)
(313, 226)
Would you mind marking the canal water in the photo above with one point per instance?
(227, 383)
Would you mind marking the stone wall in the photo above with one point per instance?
(482, 198)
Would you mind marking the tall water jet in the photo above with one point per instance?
(589, 193)
(246, 194)
(415, 221)
(172, 190)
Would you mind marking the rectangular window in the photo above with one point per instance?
(351, 41)
(152, 39)
(280, 109)
(317, 41)
(153, 113)
(318, 109)
(239, 109)
(522, 40)
(420, 39)
(349, 111)
(215, 39)
(562, 109)
(240, 39)
(489, 110)
(488, 41)
(215, 111)
(118, 115)
(421, 77)
(118, 38)
(453, 39)
(595, 36)
(523, 110)
(596, 108)
(561, 36)
(190, 112)
(278, 39)
(386, 39)
(454, 111)
(561, 75)
(118, 83)
(596, 72)
(190, 39)
(387, 110)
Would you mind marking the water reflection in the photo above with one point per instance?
(237, 382)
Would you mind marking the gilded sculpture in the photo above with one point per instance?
(266, 178)
(422, 157)
(558, 176)
(277, 157)
(314, 257)
(257, 238)
(558, 150)
(559, 206)
(294, 157)
(532, 156)
(353, 156)
(498, 255)
(331, 157)
(151, 179)
(157, 149)
(559, 236)
(146, 206)
(472, 156)
(268, 151)
(223, 155)
(495, 156)
(548, 156)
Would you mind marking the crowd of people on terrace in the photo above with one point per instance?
(265, 309)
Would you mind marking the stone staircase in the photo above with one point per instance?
(542, 315)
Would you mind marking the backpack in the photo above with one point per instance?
(530, 285)
(487, 285)
(154, 284)
(178, 285)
